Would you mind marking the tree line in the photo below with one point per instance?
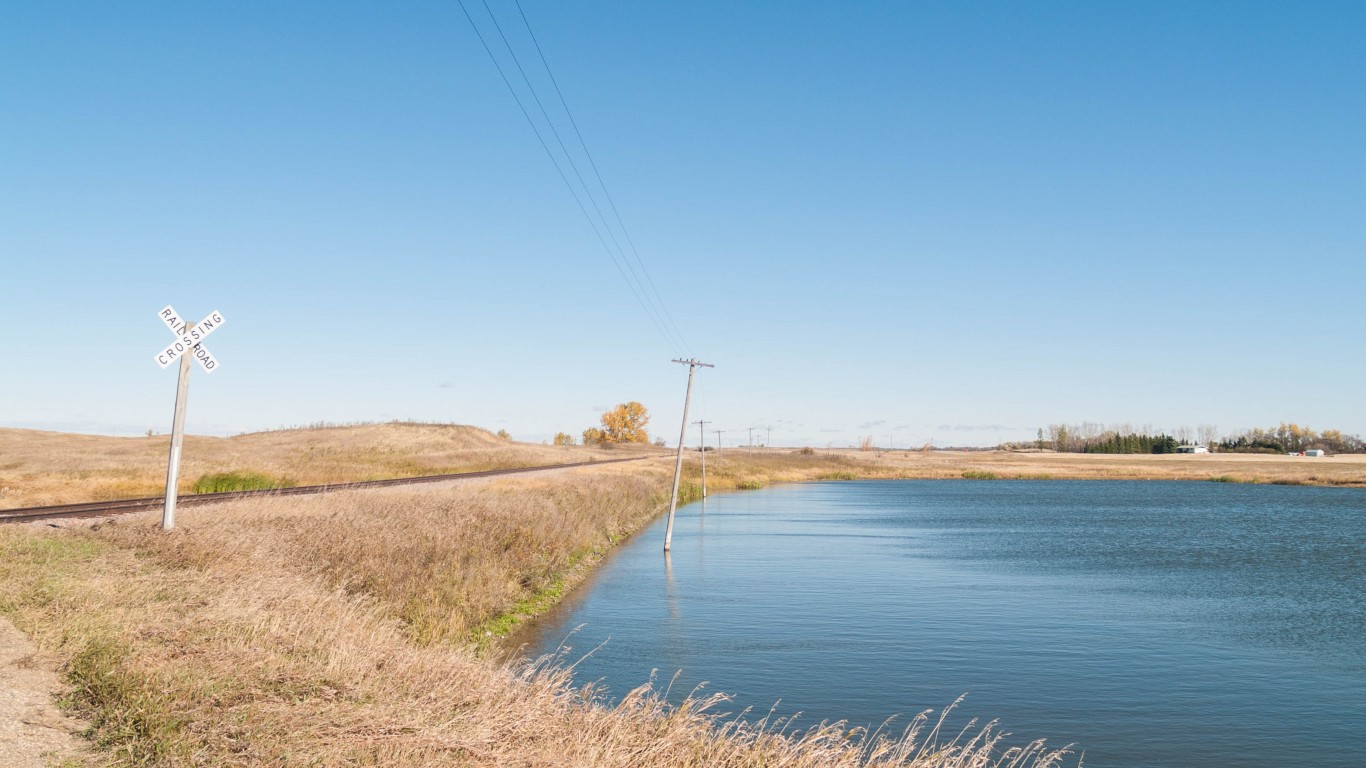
(1292, 438)
(1090, 437)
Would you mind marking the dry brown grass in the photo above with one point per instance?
(794, 465)
(335, 631)
(38, 468)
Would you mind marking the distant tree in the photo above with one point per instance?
(659, 442)
(1209, 434)
(503, 433)
(1335, 442)
(866, 444)
(564, 438)
(626, 424)
(592, 436)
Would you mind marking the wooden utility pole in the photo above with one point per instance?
(718, 442)
(702, 446)
(693, 364)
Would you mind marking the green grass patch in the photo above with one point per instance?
(533, 605)
(749, 484)
(486, 635)
(980, 474)
(837, 476)
(52, 550)
(239, 480)
(130, 717)
(1226, 479)
(34, 569)
(688, 492)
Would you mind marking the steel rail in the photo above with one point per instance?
(101, 508)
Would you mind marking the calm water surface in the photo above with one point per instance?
(1150, 623)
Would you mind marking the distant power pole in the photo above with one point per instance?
(768, 442)
(751, 436)
(718, 442)
(693, 364)
(702, 446)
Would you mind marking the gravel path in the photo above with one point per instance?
(33, 732)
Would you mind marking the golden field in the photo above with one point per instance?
(358, 628)
(1347, 470)
(40, 468)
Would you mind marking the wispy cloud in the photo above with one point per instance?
(871, 424)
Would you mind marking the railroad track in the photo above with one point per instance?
(101, 508)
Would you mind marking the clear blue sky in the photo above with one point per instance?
(922, 221)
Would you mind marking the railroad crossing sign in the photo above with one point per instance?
(189, 338)
(188, 344)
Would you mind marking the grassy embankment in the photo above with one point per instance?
(342, 630)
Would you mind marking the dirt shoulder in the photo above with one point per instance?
(33, 732)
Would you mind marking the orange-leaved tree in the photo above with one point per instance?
(626, 424)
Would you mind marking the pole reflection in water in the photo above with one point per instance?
(670, 593)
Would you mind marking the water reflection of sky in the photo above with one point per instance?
(1163, 624)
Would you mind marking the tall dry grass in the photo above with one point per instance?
(337, 631)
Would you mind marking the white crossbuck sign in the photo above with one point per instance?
(188, 339)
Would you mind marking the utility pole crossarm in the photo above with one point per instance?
(694, 362)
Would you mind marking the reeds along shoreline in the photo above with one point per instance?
(339, 630)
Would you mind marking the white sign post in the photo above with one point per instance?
(188, 344)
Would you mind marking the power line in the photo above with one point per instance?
(594, 165)
(569, 157)
(636, 287)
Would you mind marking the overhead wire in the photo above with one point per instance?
(633, 282)
(555, 161)
(594, 165)
(569, 157)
